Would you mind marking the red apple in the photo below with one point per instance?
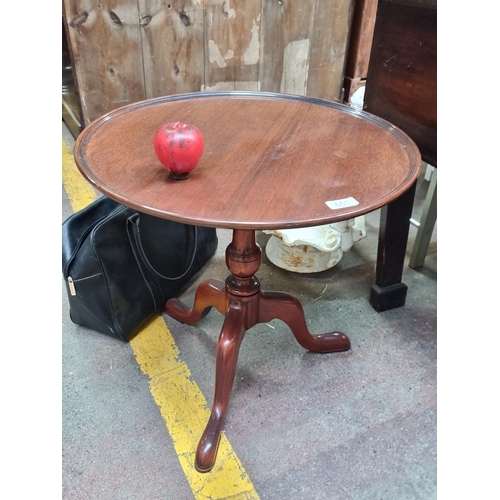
(179, 147)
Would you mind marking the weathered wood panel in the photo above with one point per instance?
(286, 29)
(305, 46)
(329, 44)
(172, 46)
(106, 44)
(232, 44)
(128, 50)
(360, 43)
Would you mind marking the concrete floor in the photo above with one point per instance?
(354, 425)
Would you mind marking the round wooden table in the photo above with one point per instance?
(271, 161)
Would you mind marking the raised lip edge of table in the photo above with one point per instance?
(388, 292)
(244, 304)
(339, 215)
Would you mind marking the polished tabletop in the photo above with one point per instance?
(271, 161)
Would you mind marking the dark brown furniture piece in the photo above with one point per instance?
(402, 87)
(360, 42)
(402, 75)
(271, 161)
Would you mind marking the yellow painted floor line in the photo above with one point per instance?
(181, 402)
(184, 409)
(79, 191)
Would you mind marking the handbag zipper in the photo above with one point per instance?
(84, 236)
(71, 285)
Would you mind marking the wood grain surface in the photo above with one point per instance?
(270, 160)
(105, 44)
(402, 76)
(126, 51)
(172, 46)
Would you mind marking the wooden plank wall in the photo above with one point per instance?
(128, 50)
(358, 57)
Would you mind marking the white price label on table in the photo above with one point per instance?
(343, 203)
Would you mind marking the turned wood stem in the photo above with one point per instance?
(243, 259)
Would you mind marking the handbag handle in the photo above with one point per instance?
(133, 227)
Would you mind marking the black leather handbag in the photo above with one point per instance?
(121, 266)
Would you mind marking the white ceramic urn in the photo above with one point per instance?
(313, 249)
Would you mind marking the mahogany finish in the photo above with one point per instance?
(402, 87)
(244, 305)
(401, 84)
(271, 161)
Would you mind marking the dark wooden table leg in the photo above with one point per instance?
(210, 293)
(388, 291)
(237, 299)
(228, 348)
(288, 309)
(243, 305)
